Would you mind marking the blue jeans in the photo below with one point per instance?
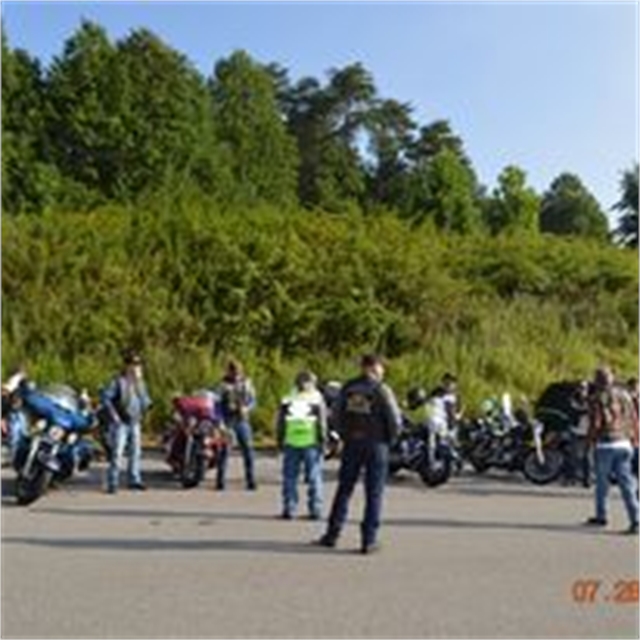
(311, 457)
(243, 434)
(121, 435)
(618, 461)
(374, 458)
(17, 427)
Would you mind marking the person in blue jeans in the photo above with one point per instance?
(612, 430)
(368, 419)
(13, 415)
(301, 430)
(237, 400)
(126, 399)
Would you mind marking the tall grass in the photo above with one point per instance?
(191, 282)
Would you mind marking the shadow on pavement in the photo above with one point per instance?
(562, 492)
(151, 513)
(516, 526)
(151, 544)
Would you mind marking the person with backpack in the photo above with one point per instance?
(301, 429)
(126, 400)
(612, 430)
(237, 400)
(369, 420)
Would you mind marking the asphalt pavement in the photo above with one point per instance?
(482, 557)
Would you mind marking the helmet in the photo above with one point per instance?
(489, 406)
(416, 397)
(331, 391)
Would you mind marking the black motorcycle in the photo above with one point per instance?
(521, 446)
(431, 455)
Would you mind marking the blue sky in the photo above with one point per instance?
(551, 87)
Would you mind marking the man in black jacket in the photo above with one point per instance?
(368, 419)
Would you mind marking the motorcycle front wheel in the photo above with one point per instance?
(193, 468)
(29, 489)
(546, 471)
(436, 473)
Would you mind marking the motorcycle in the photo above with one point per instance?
(54, 448)
(421, 449)
(194, 441)
(333, 444)
(520, 445)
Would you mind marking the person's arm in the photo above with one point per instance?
(594, 422)
(108, 396)
(338, 412)
(249, 395)
(146, 398)
(392, 412)
(281, 425)
(322, 422)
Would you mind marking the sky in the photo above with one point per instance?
(548, 86)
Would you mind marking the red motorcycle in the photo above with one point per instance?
(195, 438)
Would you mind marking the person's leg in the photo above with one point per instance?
(603, 462)
(221, 466)
(290, 469)
(118, 438)
(586, 465)
(135, 454)
(375, 478)
(244, 437)
(17, 427)
(313, 470)
(351, 461)
(627, 483)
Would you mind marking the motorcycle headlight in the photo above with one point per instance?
(56, 433)
(39, 426)
(73, 438)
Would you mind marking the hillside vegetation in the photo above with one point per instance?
(191, 284)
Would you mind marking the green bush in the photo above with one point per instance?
(191, 282)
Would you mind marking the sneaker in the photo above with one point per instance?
(138, 486)
(111, 491)
(596, 522)
(252, 486)
(314, 516)
(285, 515)
(325, 541)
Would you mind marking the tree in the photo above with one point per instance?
(447, 193)
(84, 97)
(165, 117)
(28, 178)
(627, 230)
(514, 206)
(568, 208)
(390, 130)
(263, 155)
(325, 122)
(124, 117)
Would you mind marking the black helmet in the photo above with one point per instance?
(416, 397)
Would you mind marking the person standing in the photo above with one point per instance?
(301, 430)
(612, 429)
(126, 400)
(369, 420)
(237, 400)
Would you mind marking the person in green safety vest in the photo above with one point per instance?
(301, 431)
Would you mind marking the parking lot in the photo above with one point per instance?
(489, 556)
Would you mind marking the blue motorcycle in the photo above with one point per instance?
(54, 447)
